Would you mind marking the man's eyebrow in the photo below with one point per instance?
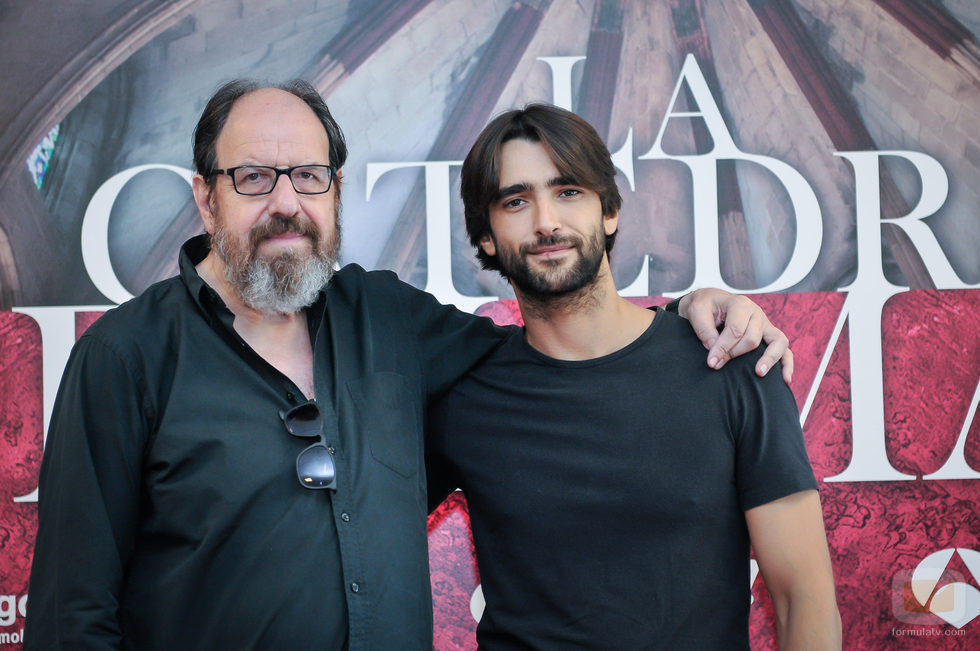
(562, 180)
(516, 188)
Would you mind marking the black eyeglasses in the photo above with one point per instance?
(252, 180)
(314, 465)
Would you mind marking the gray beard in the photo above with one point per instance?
(284, 284)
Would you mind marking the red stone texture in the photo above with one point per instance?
(20, 449)
(83, 320)
(878, 531)
(452, 563)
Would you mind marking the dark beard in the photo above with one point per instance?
(285, 283)
(554, 284)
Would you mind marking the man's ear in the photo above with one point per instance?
(611, 222)
(202, 199)
(338, 182)
(488, 246)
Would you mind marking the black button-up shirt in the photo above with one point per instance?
(170, 513)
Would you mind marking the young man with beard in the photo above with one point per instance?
(179, 502)
(614, 482)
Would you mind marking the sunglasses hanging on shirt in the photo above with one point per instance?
(315, 466)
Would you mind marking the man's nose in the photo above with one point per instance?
(546, 219)
(283, 200)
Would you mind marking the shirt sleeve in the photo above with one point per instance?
(441, 476)
(771, 458)
(89, 493)
(451, 341)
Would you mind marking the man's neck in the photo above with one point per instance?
(283, 340)
(594, 322)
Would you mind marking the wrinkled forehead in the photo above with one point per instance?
(273, 127)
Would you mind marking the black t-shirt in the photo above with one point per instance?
(607, 496)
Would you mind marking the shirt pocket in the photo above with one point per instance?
(388, 407)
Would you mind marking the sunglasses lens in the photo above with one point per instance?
(315, 468)
(303, 420)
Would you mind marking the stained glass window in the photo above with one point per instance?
(40, 158)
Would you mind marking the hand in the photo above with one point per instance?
(746, 325)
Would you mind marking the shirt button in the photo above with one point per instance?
(331, 449)
(345, 517)
(242, 345)
(354, 587)
(290, 397)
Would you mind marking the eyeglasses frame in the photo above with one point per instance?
(280, 171)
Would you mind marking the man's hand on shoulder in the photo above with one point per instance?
(746, 326)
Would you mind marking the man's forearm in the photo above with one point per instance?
(808, 622)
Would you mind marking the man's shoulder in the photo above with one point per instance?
(677, 332)
(144, 315)
(353, 278)
(353, 273)
(381, 291)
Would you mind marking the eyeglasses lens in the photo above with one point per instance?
(259, 179)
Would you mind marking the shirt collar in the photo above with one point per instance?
(192, 253)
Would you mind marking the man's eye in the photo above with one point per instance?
(513, 203)
(252, 176)
(569, 192)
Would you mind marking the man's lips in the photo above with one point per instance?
(551, 251)
(288, 236)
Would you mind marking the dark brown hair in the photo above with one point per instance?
(573, 145)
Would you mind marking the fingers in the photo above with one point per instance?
(777, 350)
(703, 319)
(744, 327)
(787, 361)
(735, 340)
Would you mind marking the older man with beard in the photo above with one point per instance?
(235, 458)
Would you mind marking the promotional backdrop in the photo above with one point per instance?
(820, 154)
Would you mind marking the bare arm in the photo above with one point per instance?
(746, 325)
(791, 548)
